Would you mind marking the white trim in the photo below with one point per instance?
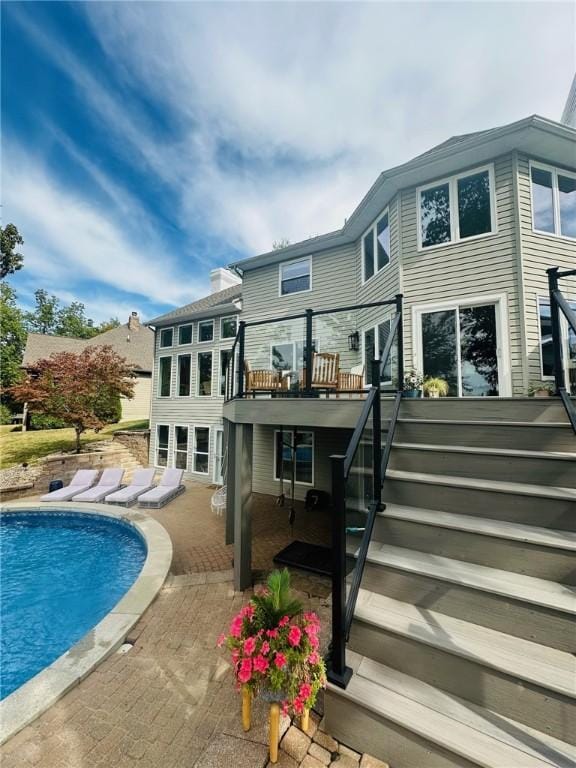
(183, 354)
(374, 228)
(228, 317)
(174, 444)
(291, 431)
(452, 182)
(368, 363)
(155, 457)
(283, 264)
(555, 171)
(502, 344)
(205, 322)
(168, 346)
(159, 382)
(220, 371)
(218, 430)
(186, 343)
(202, 453)
(197, 389)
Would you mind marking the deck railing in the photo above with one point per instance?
(559, 306)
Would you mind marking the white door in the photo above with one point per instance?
(219, 457)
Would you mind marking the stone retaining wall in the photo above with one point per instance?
(138, 443)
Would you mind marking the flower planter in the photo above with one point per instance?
(412, 393)
(542, 393)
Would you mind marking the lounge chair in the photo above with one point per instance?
(142, 481)
(167, 489)
(82, 480)
(109, 482)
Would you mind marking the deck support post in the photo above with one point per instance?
(240, 454)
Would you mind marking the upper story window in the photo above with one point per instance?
(376, 247)
(205, 331)
(166, 337)
(295, 276)
(228, 327)
(553, 200)
(457, 208)
(165, 377)
(204, 375)
(185, 334)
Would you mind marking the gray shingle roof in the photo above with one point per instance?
(136, 345)
(227, 296)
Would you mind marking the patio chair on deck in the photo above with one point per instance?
(263, 380)
(351, 380)
(325, 369)
(110, 481)
(142, 481)
(82, 480)
(167, 489)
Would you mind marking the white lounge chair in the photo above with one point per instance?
(142, 481)
(82, 480)
(168, 488)
(109, 482)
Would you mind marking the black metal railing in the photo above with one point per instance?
(357, 481)
(558, 305)
(306, 333)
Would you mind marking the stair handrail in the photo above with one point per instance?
(558, 303)
(343, 605)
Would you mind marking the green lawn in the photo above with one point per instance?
(17, 447)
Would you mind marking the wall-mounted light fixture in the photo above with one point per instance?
(354, 341)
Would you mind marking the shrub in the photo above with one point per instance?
(5, 414)
(41, 421)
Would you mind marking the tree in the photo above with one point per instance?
(107, 325)
(76, 388)
(11, 259)
(44, 318)
(12, 337)
(72, 321)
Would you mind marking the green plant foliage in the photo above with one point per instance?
(5, 414)
(42, 421)
(276, 601)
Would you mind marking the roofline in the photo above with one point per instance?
(354, 225)
(218, 310)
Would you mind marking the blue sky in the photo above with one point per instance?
(145, 143)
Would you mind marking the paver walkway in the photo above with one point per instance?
(169, 702)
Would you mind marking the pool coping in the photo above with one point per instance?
(39, 693)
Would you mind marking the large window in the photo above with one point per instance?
(162, 439)
(297, 447)
(184, 375)
(165, 377)
(546, 349)
(204, 374)
(225, 355)
(201, 449)
(228, 327)
(166, 337)
(185, 334)
(376, 247)
(289, 356)
(295, 276)
(181, 447)
(553, 200)
(456, 209)
(375, 339)
(205, 331)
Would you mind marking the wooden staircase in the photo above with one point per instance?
(463, 639)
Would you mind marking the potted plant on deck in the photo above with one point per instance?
(274, 647)
(412, 384)
(541, 388)
(435, 387)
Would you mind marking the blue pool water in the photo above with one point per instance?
(60, 574)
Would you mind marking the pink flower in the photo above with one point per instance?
(249, 646)
(280, 660)
(265, 647)
(245, 671)
(221, 640)
(284, 707)
(272, 633)
(305, 691)
(311, 617)
(247, 611)
(298, 705)
(314, 642)
(236, 626)
(294, 636)
(261, 664)
(235, 656)
(311, 630)
(283, 621)
(314, 658)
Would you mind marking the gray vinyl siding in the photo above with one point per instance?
(539, 252)
(326, 443)
(190, 410)
(482, 266)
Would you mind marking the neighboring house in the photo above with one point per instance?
(192, 345)
(132, 340)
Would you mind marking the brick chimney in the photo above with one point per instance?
(134, 322)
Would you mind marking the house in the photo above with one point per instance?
(132, 340)
(452, 519)
(191, 349)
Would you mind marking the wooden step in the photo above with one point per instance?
(504, 409)
(527, 549)
(411, 724)
(528, 682)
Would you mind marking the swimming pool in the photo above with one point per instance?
(61, 572)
